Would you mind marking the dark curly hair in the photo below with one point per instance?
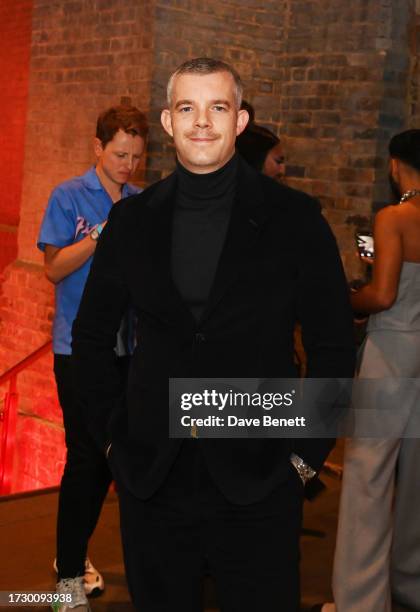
(406, 147)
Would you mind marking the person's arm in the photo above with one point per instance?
(63, 254)
(327, 322)
(60, 262)
(382, 291)
(324, 309)
(98, 383)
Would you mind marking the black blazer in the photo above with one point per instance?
(279, 264)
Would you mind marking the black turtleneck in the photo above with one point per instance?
(201, 217)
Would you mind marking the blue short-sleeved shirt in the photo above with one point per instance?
(74, 209)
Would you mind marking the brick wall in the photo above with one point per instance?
(330, 78)
(334, 80)
(85, 56)
(15, 42)
(26, 310)
(413, 102)
(248, 34)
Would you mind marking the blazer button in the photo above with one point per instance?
(200, 338)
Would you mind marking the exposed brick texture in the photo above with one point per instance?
(329, 78)
(413, 104)
(85, 56)
(8, 246)
(334, 79)
(250, 35)
(15, 43)
(40, 454)
(26, 310)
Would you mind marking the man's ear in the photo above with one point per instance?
(394, 166)
(166, 121)
(97, 147)
(242, 121)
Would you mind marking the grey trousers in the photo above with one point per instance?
(378, 539)
(405, 557)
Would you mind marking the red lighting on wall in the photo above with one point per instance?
(15, 47)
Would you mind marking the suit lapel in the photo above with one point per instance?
(249, 214)
(158, 247)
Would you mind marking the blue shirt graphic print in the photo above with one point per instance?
(74, 209)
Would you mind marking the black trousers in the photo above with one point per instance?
(85, 480)
(252, 551)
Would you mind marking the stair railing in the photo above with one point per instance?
(8, 416)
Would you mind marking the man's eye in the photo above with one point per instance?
(185, 109)
(120, 155)
(219, 107)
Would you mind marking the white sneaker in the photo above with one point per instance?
(73, 589)
(93, 581)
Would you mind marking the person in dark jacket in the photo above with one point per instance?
(218, 261)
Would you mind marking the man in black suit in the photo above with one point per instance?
(219, 262)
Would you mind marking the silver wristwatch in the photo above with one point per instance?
(303, 469)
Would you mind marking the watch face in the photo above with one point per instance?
(94, 234)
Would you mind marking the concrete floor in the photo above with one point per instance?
(27, 537)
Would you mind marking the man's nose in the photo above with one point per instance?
(202, 119)
(129, 163)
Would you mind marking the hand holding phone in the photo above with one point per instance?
(365, 247)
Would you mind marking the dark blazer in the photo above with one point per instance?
(279, 264)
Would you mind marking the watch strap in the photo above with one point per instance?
(304, 470)
(96, 232)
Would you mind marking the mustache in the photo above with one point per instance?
(199, 134)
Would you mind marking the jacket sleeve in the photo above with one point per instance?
(98, 384)
(327, 323)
